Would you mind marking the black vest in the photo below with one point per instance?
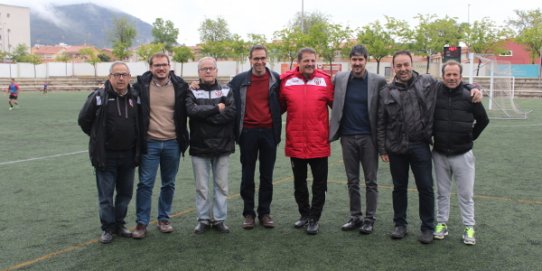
(453, 121)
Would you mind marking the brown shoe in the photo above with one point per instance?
(165, 226)
(140, 231)
(248, 223)
(267, 221)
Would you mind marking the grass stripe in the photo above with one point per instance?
(51, 255)
(41, 158)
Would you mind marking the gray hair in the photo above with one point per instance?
(118, 63)
(206, 58)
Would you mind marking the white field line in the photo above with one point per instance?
(515, 125)
(41, 158)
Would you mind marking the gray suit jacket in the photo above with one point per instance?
(375, 84)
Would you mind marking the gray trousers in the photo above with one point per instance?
(361, 149)
(461, 168)
(211, 206)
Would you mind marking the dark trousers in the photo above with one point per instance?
(257, 144)
(418, 157)
(358, 149)
(117, 175)
(319, 169)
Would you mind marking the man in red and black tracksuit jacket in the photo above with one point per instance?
(305, 94)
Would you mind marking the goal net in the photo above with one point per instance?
(498, 85)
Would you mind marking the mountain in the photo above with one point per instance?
(81, 24)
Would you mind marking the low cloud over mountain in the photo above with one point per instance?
(80, 24)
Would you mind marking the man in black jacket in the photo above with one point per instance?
(404, 131)
(257, 127)
(164, 138)
(110, 118)
(211, 109)
(458, 122)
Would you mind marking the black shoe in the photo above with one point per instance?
(353, 223)
(367, 227)
(201, 227)
(221, 227)
(426, 237)
(399, 232)
(106, 237)
(313, 227)
(302, 222)
(123, 231)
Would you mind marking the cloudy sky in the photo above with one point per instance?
(265, 17)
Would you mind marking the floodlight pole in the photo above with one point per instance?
(468, 23)
(471, 64)
(302, 16)
(491, 81)
(468, 14)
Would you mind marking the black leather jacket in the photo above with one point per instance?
(392, 124)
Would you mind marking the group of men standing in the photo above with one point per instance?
(146, 125)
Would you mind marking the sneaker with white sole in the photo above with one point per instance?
(468, 236)
(106, 237)
(441, 231)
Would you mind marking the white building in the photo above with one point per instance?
(14, 27)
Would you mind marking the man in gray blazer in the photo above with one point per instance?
(353, 119)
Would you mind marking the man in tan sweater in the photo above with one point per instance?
(165, 137)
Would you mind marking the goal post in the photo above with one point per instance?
(498, 84)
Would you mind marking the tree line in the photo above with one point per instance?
(330, 40)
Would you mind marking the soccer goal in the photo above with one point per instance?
(498, 84)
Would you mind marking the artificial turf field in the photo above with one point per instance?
(49, 209)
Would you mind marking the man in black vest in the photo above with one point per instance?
(458, 122)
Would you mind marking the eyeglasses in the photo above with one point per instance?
(207, 69)
(256, 59)
(119, 75)
(160, 65)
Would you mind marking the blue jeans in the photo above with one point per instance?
(418, 157)
(165, 154)
(118, 174)
(257, 143)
